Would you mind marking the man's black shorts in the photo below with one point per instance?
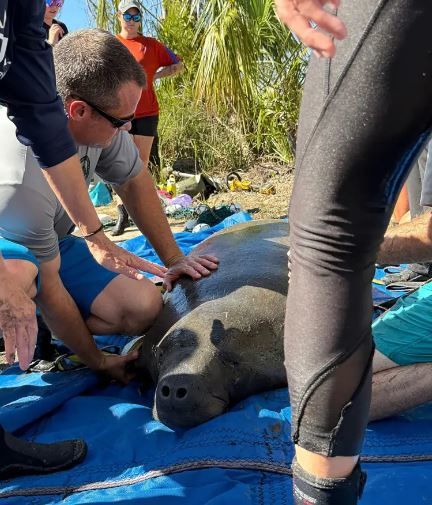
(146, 126)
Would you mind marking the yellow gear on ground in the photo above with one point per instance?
(236, 185)
(268, 189)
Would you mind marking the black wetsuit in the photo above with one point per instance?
(365, 116)
(27, 82)
(27, 88)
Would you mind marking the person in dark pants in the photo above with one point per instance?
(365, 117)
(27, 87)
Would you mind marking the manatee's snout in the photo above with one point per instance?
(187, 400)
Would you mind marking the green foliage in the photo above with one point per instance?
(239, 96)
(188, 130)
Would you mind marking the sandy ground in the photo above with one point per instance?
(259, 205)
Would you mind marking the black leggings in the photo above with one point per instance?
(365, 116)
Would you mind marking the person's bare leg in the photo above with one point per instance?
(125, 306)
(144, 145)
(381, 362)
(401, 388)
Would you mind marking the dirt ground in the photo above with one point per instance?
(259, 205)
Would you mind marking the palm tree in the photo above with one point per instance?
(251, 66)
(243, 65)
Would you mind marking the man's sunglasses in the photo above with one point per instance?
(132, 17)
(54, 3)
(115, 121)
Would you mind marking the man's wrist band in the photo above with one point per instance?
(94, 232)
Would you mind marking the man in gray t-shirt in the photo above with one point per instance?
(26, 197)
(76, 296)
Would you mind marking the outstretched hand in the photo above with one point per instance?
(195, 266)
(118, 260)
(298, 15)
(17, 322)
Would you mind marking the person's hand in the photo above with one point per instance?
(298, 15)
(55, 33)
(196, 266)
(120, 261)
(117, 367)
(17, 322)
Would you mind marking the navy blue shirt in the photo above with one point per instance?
(27, 82)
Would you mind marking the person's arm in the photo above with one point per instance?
(399, 389)
(64, 319)
(142, 202)
(169, 71)
(408, 243)
(168, 61)
(29, 91)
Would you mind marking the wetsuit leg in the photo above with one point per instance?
(365, 116)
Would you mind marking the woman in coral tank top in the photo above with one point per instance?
(158, 62)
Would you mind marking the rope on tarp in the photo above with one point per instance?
(259, 466)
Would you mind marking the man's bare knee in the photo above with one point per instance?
(136, 320)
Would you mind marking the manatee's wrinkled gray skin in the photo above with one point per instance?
(220, 339)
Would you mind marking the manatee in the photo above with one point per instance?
(220, 339)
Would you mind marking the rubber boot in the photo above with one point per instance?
(122, 221)
(310, 490)
(21, 457)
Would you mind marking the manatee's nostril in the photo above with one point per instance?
(181, 393)
(165, 391)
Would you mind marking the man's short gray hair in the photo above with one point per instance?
(92, 64)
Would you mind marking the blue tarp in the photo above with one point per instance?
(240, 457)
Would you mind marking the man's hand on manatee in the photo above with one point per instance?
(117, 367)
(195, 266)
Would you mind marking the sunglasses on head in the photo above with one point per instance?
(54, 3)
(132, 17)
(115, 121)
